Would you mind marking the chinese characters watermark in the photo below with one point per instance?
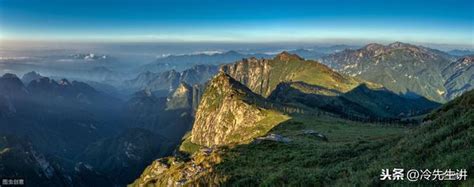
(412, 175)
(13, 182)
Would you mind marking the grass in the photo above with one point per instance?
(305, 160)
(355, 152)
(311, 73)
(338, 130)
(189, 147)
(262, 127)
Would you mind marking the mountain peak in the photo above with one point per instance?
(222, 76)
(224, 81)
(263, 75)
(286, 56)
(467, 60)
(9, 76)
(11, 79)
(30, 76)
(182, 89)
(64, 82)
(398, 44)
(394, 45)
(32, 72)
(373, 46)
(231, 52)
(181, 98)
(364, 87)
(226, 109)
(10, 83)
(184, 85)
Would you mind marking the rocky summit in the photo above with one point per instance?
(263, 75)
(181, 98)
(230, 113)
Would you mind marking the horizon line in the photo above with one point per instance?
(327, 41)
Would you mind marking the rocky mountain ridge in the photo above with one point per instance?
(230, 113)
(400, 67)
(168, 81)
(263, 75)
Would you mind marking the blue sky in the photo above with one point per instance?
(435, 21)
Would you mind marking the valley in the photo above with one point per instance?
(241, 119)
(305, 143)
(160, 93)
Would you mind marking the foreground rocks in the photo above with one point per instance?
(172, 171)
(272, 137)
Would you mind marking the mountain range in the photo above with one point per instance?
(246, 120)
(272, 105)
(360, 103)
(461, 52)
(182, 62)
(316, 53)
(403, 68)
(166, 82)
(55, 119)
(58, 132)
(263, 75)
(243, 133)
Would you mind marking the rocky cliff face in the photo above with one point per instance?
(263, 75)
(198, 90)
(230, 113)
(182, 98)
(185, 97)
(199, 74)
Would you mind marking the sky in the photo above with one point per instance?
(435, 21)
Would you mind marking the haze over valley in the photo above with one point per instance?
(235, 94)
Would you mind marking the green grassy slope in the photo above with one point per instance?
(306, 160)
(355, 153)
(362, 102)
